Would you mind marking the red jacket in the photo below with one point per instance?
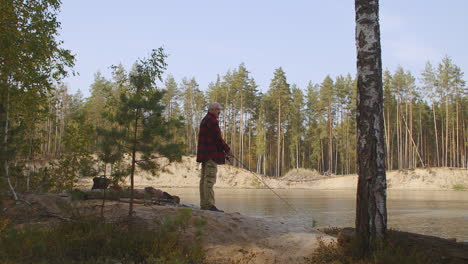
(210, 143)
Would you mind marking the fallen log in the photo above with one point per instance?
(113, 194)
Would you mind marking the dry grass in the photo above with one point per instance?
(302, 174)
(93, 240)
(400, 247)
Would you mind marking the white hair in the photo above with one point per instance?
(213, 106)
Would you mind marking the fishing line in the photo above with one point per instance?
(271, 189)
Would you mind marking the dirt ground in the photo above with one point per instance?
(231, 237)
(227, 237)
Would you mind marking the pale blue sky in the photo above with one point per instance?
(308, 39)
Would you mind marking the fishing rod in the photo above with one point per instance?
(261, 180)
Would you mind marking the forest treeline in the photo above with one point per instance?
(284, 127)
(270, 129)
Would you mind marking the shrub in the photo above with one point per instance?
(459, 187)
(94, 241)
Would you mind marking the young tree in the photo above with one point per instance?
(371, 207)
(139, 116)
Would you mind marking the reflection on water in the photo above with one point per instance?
(438, 213)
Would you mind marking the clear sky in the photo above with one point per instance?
(309, 39)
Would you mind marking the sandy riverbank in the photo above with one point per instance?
(186, 174)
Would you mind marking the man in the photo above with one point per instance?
(212, 150)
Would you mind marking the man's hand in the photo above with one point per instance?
(229, 154)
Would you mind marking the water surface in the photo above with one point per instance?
(437, 213)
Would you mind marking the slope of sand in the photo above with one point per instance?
(186, 174)
(226, 237)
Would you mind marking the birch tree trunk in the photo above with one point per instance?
(132, 170)
(5, 146)
(371, 208)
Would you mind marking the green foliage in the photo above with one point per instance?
(96, 241)
(295, 129)
(171, 98)
(40, 121)
(31, 57)
(459, 187)
(61, 175)
(178, 223)
(78, 136)
(137, 123)
(279, 96)
(31, 60)
(194, 107)
(260, 139)
(102, 100)
(255, 183)
(31, 54)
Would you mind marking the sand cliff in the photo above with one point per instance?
(186, 174)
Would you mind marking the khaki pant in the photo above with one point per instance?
(207, 181)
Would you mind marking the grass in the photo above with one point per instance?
(338, 253)
(92, 240)
(459, 187)
(301, 174)
(394, 250)
(255, 183)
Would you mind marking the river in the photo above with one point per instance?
(437, 213)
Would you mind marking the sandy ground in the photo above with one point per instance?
(186, 174)
(235, 238)
(226, 237)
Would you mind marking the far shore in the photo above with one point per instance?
(185, 174)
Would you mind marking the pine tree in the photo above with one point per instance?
(261, 138)
(313, 119)
(171, 98)
(327, 103)
(279, 97)
(142, 127)
(296, 127)
(449, 82)
(245, 96)
(429, 85)
(194, 107)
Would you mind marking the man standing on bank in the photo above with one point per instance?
(211, 151)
